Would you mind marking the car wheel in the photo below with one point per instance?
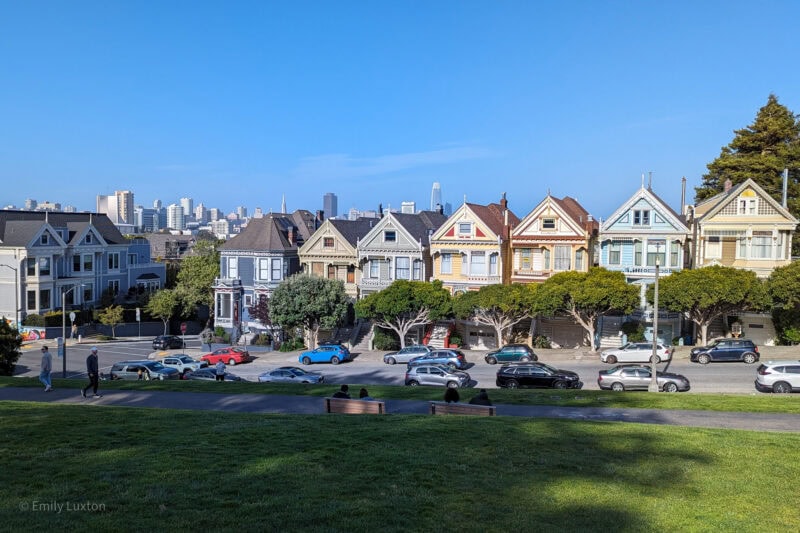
(525, 359)
(703, 359)
(334, 360)
(782, 387)
(306, 360)
(611, 359)
(232, 362)
(452, 385)
(512, 384)
(749, 358)
(491, 360)
(560, 385)
(413, 383)
(670, 387)
(391, 361)
(655, 359)
(452, 366)
(618, 387)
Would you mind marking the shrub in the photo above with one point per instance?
(541, 341)
(455, 339)
(634, 331)
(292, 344)
(386, 340)
(262, 339)
(34, 320)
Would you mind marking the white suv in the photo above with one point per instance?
(778, 376)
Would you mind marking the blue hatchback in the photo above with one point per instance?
(325, 353)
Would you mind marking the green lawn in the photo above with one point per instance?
(755, 402)
(147, 469)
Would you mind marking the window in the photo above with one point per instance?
(88, 262)
(31, 300)
(674, 253)
(389, 236)
(113, 261)
(447, 264)
(548, 223)
(276, 269)
(233, 267)
(374, 268)
(44, 299)
(741, 247)
(44, 266)
(637, 253)
(747, 206)
(761, 247)
(417, 273)
(132, 259)
(464, 264)
(223, 306)
(263, 269)
(464, 228)
(525, 259)
(88, 238)
(656, 250)
(614, 253)
(45, 240)
(713, 247)
(248, 300)
(402, 267)
(562, 257)
(113, 286)
(31, 266)
(546, 258)
(493, 265)
(76, 263)
(351, 274)
(88, 293)
(331, 272)
(477, 264)
(327, 242)
(579, 260)
(641, 217)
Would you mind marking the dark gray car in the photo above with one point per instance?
(636, 377)
(142, 370)
(406, 354)
(452, 358)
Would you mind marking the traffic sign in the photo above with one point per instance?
(183, 327)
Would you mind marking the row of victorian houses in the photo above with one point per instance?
(478, 245)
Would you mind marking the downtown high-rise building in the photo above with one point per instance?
(201, 213)
(436, 196)
(330, 205)
(175, 217)
(188, 206)
(118, 208)
(241, 212)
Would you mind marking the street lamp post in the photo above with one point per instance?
(64, 327)
(653, 387)
(16, 294)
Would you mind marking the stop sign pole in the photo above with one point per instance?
(183, 333)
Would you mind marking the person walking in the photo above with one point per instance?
(46, 369)
(220, 370)
(92, 369)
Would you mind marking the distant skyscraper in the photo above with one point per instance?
(107, 205)
(258, 213)
(283, 204)
(329, 205)
(157, 204)
(188, 206)
(70, 209)
(436, 195)
(448, 208)
(201, 213)
(119, 207)
(242, 212)
(408, 207)
(214, 214)
(30, 205)
(175, 218)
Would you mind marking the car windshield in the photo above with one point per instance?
(186, 359)
(154, 366)
(548, 368)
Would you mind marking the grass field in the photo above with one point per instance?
(123, 469)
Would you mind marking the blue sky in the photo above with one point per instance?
(238, 103)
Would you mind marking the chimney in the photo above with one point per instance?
(785, 186)
(727, 186)
(320, 218)
(380, 210)
(503, 202)
(440, 209)
(291, 235)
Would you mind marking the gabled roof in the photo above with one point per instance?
(420, 225)
(270, 232)
(577, 213)
(677, 221)
(578, 219)
(492, 215)
(16, 225)
(718, 202)
(352, 230)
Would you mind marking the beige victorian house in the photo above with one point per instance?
(471, 249)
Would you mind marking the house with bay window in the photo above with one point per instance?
(397, 247)
(255, 261)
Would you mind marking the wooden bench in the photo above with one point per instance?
(354, 407)
(443, 408)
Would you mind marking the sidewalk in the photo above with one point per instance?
(310, 405)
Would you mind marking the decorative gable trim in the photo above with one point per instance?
(530, 227)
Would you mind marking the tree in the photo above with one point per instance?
(162, 305)
(405, 304)
(260, 311)
(111, 316)
(707, 293)
(783, 287)
(308, 301)
(761, 151)
(586, 296)
(496, 306)
(196, 277)
(10, 347)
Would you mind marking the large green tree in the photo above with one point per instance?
(196, 277)
(586, 296)
(10, 347)
(111, 316)
(308, 301)
(162, 305)
(406, 304)
(761, 151)
(705, 294)
(783, 286)
(497, 306)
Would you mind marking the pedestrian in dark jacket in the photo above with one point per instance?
(92, 369)
(481, 399)
(451, 395)
(343, 392)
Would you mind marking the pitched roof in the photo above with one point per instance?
(420, 225)
(352, 230)
(492, 215)
(272, 231)
(15, 226)
(576, 211)
(717, 202)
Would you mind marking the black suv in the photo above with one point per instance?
(726, 350)
(539, 375)
(165, 342)
(511, 353)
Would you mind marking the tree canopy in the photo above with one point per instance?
(162, 305)
(707, 293)
(405, 304)
(585, 296)
(195, 279)
(497, 306)
(10, 347)
(111, 316)
(309, 301)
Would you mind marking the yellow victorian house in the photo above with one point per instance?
(470, 250)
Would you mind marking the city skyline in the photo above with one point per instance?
(256, 102)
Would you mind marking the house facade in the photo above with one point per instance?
(558, 235)
(397, 247)
(255, 261)
(54, 259)
(472, 248)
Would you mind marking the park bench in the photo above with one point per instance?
(444, 408)
(354, 407)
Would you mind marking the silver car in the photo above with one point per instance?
(636, 352)
(637, 377)
(142, 370)
(406, 354)
(290, 374)
(438, 375)
(778, 376)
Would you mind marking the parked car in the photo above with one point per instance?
(539, 375)
(230, 356)
(449, 357)
(511, 353)
(290, 374)
(406, 354)
(778, 376)
(142, 370)
(183, 363)
(325, 353)
(636, 352)
(726, 350)
(439, 375)
(637, 377)
(167, 342)
(209, 374)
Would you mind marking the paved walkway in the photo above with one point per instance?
(269, 403)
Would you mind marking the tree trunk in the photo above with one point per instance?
(703, 333)
(501, 340)
(590, 329)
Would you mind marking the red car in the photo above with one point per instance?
(229, 356)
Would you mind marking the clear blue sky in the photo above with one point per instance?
(237, 103)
